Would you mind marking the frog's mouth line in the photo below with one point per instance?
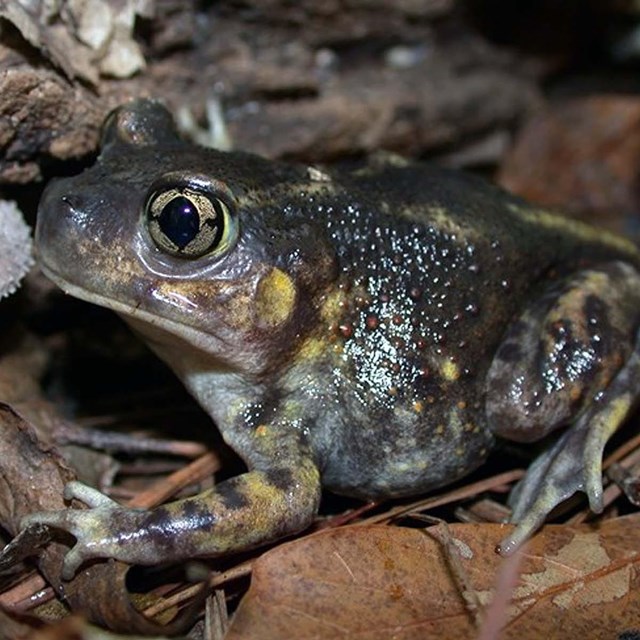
(199, 339)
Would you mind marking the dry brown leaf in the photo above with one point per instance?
(579, 154)
(75, 628)
(385, 582)
(32, 475)
(16, 628)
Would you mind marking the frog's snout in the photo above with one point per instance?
(54, 211)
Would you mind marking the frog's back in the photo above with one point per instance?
(434, 266)
(473, 208)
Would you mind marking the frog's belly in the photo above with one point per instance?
(404, 457)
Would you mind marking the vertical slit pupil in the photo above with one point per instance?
(179, 221)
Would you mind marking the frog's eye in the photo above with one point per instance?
(190, 220)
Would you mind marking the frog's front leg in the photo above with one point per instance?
(273, 499)
(572, 358)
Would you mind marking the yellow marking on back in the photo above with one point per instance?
(317, 175)
(275, 298)
(312, 348)
(441, 218)
(578, 229)
(262, 431)
(449, 370)
(333, 304)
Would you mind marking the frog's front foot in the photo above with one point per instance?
(98, 529)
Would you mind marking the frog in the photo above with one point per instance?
(374, 330)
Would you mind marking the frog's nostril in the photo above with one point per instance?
(72, 209)
(70, 202)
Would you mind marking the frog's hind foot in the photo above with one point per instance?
(574, 462)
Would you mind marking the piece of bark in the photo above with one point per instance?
(305, 82)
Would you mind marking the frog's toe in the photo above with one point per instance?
(555, 476)
(64, 519)
(529, 516)
(74, 521)
(76, 490)
(75, 557)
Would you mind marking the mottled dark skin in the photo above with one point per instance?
(370, 331)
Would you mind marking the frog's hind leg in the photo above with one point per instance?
(572, 358)
(574, 462)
